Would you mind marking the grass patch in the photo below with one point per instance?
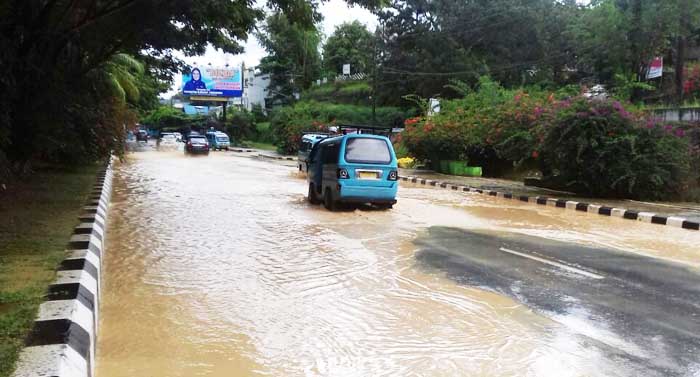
(37, 217)
(260, 145)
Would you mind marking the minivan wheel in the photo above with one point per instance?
(328, 201)
(312, 196)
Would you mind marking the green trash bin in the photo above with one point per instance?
(457, 167)
(473, 171)
(444, 166)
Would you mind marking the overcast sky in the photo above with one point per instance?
(335, 12)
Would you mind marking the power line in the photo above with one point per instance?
(391, 70)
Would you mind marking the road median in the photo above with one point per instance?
(62, 339)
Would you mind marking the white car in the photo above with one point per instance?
(167, 140)
(178, 137)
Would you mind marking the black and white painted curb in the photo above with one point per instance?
(647, 217)
(283, 158)
(239, 150)
(62, 341)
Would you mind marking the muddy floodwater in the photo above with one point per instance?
(217, 266)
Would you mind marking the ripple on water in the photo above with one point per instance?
(218, 266)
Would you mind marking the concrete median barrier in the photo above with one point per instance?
(63, 338)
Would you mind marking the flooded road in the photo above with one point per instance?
(217, 266)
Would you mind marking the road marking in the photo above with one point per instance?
(556, 264)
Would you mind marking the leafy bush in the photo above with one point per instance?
(289, 123)
(491, 127)
(599, 148)
(240, 125)
(167, 117)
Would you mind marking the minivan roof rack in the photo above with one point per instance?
(316, 133)
(364, 129)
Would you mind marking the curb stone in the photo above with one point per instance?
(63, 339)
(284, 158)
(647, 217)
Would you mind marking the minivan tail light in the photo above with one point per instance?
(343, 174)
(393, 175)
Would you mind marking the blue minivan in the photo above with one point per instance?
(353, 168)
(218, 140)
(308, 140)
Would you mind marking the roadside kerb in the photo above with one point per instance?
(283, 158)
(63, 339)
(647, 217)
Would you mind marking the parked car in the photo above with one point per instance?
(197, 144)
(218, 140)
(353, 168)
(307, 143)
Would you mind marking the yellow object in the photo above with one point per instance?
(406, 162)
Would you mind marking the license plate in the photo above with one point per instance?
(368, 175)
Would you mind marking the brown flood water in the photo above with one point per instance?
(217, 266)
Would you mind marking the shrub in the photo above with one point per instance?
(240, 125)
(599, 148)
(288, 123)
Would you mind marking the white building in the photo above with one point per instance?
(255, 88)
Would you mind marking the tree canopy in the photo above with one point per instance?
(293, 59)
(351, 43)
(61, 64)
(552, 43)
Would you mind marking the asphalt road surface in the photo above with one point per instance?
(645, 311)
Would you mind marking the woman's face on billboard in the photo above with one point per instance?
(195, 74)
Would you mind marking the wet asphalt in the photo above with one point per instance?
(642, 311)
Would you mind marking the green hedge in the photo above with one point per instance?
(600, 149)
(288, 123)
(592, 147)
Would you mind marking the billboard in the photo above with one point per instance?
(213, 82)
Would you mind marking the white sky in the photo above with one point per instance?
(334, 12)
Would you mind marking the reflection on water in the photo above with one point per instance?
(217, 266)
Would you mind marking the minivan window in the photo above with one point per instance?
(330, 154)
(198, 140)
(368, 151)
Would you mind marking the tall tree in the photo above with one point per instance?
(48, 49)
(351, 43)
(293, 59)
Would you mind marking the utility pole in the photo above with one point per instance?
(681, 46)
(375, 73)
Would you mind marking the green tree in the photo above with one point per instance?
(293, 60)
(351, 43)
(51, 51)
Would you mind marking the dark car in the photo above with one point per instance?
(197, 144)
(141, 135)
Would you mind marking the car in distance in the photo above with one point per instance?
(354, 168)
(308, 141)
(197, 144)
(142, 135)
(167, 140)
(218, 140)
